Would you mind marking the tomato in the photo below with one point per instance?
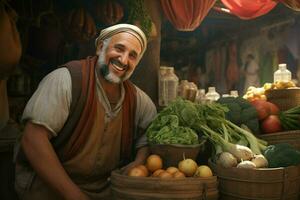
(271, 124)
(265, 108)
(274, 110)
(262, 108)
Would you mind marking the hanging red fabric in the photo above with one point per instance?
(249, 9)
(186, 15)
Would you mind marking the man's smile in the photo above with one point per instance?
(117, 65)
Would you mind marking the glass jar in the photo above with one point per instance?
(168, 85)
(234, 93)
(192, 91)
(183, 89)
(282, 74)
(200, 96)
(225, 95)
(212, 95)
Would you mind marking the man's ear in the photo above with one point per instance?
(99, 48)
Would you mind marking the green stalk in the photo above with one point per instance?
(253, 142)
(239, 151)
(295, 110)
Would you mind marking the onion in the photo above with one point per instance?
(260, 161)
(226, 159)
(240, 152)
(246, 164)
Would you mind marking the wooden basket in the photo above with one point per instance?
(172, 154)
(290, 137)
(258, 184)
(284, 98)
(154, 188)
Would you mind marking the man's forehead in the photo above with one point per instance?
(125, 38)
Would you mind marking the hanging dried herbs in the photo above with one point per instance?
(139, 16)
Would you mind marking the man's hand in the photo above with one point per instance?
(43, 159)
(140, 159)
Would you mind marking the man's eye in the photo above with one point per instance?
(133, 56)
(118, 49)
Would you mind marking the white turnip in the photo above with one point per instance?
(246, 165)
(260, 161)
(226, 159)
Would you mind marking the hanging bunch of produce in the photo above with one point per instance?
(80, 25)
(139, 16)
(107, 12)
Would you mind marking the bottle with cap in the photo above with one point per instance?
(234, 93)
(212, 95)
(282, 74)
(168, 85)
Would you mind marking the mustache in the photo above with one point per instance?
(118, 63)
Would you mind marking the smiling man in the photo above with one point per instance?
(85, 120)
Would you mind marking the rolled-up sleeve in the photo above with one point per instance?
(145, 113)
(49, 105)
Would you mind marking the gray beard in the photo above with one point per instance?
(107, 74)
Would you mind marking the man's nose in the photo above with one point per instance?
(124, 58)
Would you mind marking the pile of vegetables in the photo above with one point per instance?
(208, 121)
(241, 112)
(273, 120)
(290, 119)
(268, 115)
(282, 155)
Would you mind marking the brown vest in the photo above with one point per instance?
(83, 109)
(76, 137)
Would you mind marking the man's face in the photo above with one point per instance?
(119, 59)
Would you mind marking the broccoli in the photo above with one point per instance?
(282, 155)
(241, 112)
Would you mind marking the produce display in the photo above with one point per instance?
(282, 155)
(241, 112)
(273, 120)
(154, 168)
(268, 116)
(290, 119)
(255, 93)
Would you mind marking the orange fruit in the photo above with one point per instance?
(157, 172)
(137, 172)
(144, 168)
(165, 174)
(154, 162)
(172, 170)
(178, 174)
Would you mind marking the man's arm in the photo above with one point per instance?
(140, 159)
(42, 157)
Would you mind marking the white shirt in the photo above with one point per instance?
(50, 104)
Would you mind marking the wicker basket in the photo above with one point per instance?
(258, 184)
(284, 98)
(290, 137)
(153, 188)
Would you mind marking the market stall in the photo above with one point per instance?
(224, 76)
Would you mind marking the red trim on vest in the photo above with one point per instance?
(85, 123)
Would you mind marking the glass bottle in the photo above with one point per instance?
(234, 93)
(183, 88)
(192, 91)
(200, 96)
(282, 74)
(168, 84)
(212, 95)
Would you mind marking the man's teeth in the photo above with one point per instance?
(118, 68)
